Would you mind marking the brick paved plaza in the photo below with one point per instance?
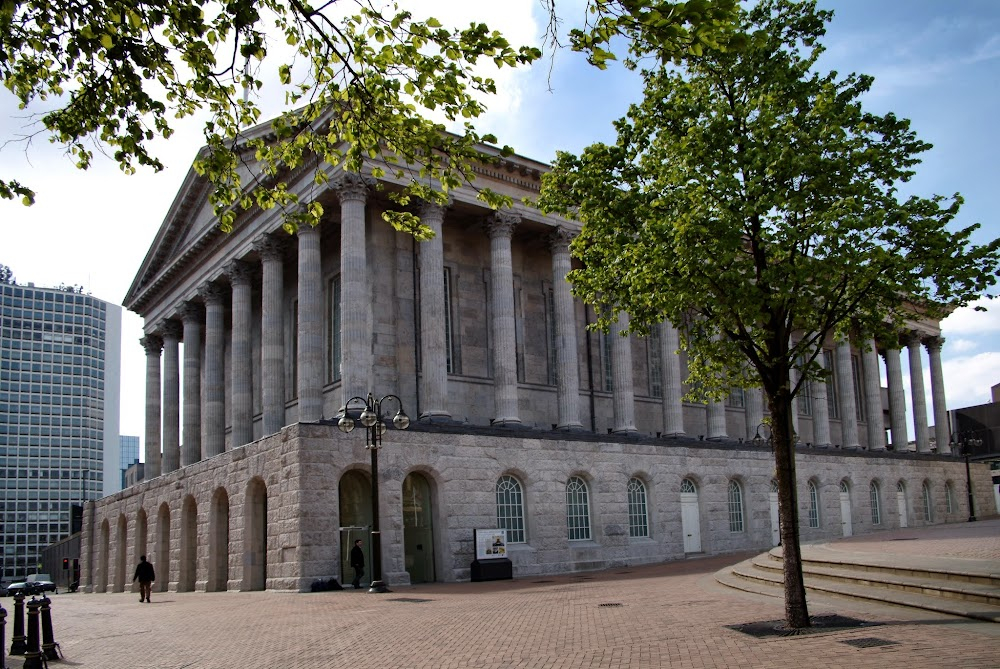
(672, 615)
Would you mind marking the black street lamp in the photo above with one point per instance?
(969, 442)
(759, 441)
(371, 419)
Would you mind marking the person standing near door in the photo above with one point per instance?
(358, 562)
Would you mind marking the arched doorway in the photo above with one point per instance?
(418, 528)
(103, 555)
(188, 567)
(141, 530)
(355, 497)
(255, 536)
(846, 524)
(121, 550)
(218, 543)
(690, 517)
(775, 517)
(901, 504)
(162, 564)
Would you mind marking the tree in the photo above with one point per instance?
(7, 275)
(753, 202)
(358, 83)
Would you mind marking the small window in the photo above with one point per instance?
(813, 505)
(510, 508)
(735, 506)
(638, 516)
(876, 510)
(687, 485)
(577, 509)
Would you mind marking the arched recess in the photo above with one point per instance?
(141, 538)
(218, 542)
(162, 564)
(121, 550)
(188, 562)
(418, 528)
(902, 509)
(255, 536)
(690, 517)
(355, 512)
(104, 551)
(846, 521)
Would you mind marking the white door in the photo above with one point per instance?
(845, 510)
(901, 505)
(690, 518)
(775, 519)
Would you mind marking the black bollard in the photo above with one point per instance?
(17, 641)
(33, 654)
(50, 649)
(3, 638)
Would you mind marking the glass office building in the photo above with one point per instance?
(60, 365)
(129, 454)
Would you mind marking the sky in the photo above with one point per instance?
(935, 63)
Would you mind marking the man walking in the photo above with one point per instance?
(145, 574)
(358, 562)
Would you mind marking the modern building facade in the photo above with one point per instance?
(128, 455)
(60, 359)
(579, 445)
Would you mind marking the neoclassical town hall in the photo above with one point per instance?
(578, 444)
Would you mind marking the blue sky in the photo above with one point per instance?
(934, 62)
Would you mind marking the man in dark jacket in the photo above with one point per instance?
(145, 575)
(358, 562)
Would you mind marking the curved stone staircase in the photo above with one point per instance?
(955, 586)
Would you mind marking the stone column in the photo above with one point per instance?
(821, 407)
(191, 315)
(848, 407)
(153, 345)
(272, 333)
(310, 326)
(873, 397)
(670, 359)
(433, 345)
(897, 400)
(215, 372)
(622, 383)
(355, 297)
(171, 397)
(567, 372)
(919, 398)
(501, 228)
(753, 401)
(715, 416)
(240, 276)
(941, 431)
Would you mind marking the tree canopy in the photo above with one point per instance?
(360, 83)
(752, 201)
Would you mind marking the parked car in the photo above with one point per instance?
(35, 584)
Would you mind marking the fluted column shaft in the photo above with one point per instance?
(501, 229)
(153, 346)
(848, 406)
(897, 400)
(753, 405)
(215, 372)
(567, 372)
(171, 397)
(191, 316)
(240, 276)
(918, 395)
(310, 326)
(673, 407)
(821, 407)
(355, 300)
(715, 416)
(433, 345)
(873, 398)
(941, 431)
(622, 384)
(272, 335)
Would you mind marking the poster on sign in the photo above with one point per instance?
(491, 544)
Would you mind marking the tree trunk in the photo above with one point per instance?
(796, 611)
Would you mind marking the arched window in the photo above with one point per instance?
(876, 504)
(577, 509)
(638, 516)
(735, 506)
(949, 497)
(510, 508)
(928, 507)
(687, 485)
(844, 487)
(813, 505)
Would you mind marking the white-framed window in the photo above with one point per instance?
(577, 509)
(736, 398)
(655, 363)
(928, 506)
(949, 497)
(638, 513)
(333, 346)
(735, 506)
(606, 361)
(813, 504)
(831, 383)
(550, 317)
(687, 485)
(873, 492)
(510, 508)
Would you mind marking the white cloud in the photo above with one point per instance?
(968, 321)
(968, 380)
(962, 345)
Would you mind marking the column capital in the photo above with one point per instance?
(191, 311)
(212, 293)
(560, 238)
(269, 247)
(152, 343)
(427, 209)
(171, 328)
(350, 186)
(910, 338)
(502, 224)
(240, 272)
(933, 343)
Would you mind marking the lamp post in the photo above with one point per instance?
(759, 441)
(371, 419)
(970, 441)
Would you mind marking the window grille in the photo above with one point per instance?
(510, 508)
(638, 518)
(876, 506)
(813, 505)
(577, 510)
(735, 506)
